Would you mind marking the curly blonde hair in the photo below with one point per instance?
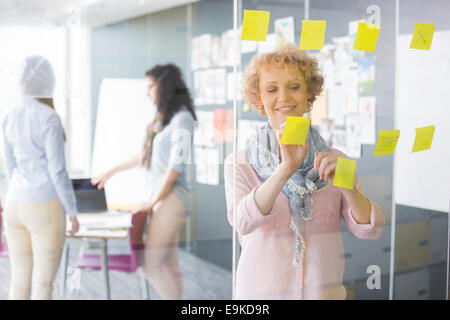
(285, 56)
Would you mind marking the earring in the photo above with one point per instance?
(308, 106)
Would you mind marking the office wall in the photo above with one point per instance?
(127, 49)
(433, 266)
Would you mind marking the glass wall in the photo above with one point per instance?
(252, 219)
(420, 266)
(56, 31)
(104, 100)
(121, 54)
(364, 92)
(359, 88)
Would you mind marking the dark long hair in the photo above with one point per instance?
(172, 95)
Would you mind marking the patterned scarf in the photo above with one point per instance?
(263, 155)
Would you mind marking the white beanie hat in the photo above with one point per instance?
(38, 78)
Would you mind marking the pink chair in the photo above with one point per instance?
(122, 262)
(3, 247)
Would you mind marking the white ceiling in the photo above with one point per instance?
(97, 12)
(101, 12)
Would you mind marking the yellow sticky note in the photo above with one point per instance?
(295, 130)
(387, 141)
(366, 37)
(255, 25)
(313, 34)
(423, 35)
(344, 175)
(424, 137)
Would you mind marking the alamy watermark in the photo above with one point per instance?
(374, 280)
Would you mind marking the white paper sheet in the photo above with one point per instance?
(230, 86)
(110, 220)
(204, 129)
(207, 165)
(123, 113)
(284, 30)
(197, 92)
(339, 139)
(207, 86)
(215, 51)
(195, 53)
(350, 87)
(368, 119)
(205, 51)
(336, 111)
(219, 86)
(227, 49)
(248, 46)
(269, 45)
(353, 135)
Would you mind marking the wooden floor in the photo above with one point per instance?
(202, 280)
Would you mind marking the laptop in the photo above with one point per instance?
(91, 202)
(89, 198)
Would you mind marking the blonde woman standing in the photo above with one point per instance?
(39, 191)
(288, 213)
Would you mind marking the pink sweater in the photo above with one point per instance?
(265, 269)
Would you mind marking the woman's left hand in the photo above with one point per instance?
(143, 207)
(325, 163)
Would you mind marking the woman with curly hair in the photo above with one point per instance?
(166, 151)
(288, 213)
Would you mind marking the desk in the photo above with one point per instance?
(84, 237)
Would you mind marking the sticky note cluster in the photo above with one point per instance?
(387, 140)
(295, 130)
(255, 26)
(344, 175)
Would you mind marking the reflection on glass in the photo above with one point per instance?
(108, 117)
(39, 190)
(168, 197)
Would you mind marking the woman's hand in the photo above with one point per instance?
(142, 158)
(325, 163)
(292, 156)
(101, 180)
(143, 207)
(75, 225)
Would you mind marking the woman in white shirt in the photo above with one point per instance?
(39, 190)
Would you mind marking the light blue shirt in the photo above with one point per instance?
(172, 149)
(33, 143)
